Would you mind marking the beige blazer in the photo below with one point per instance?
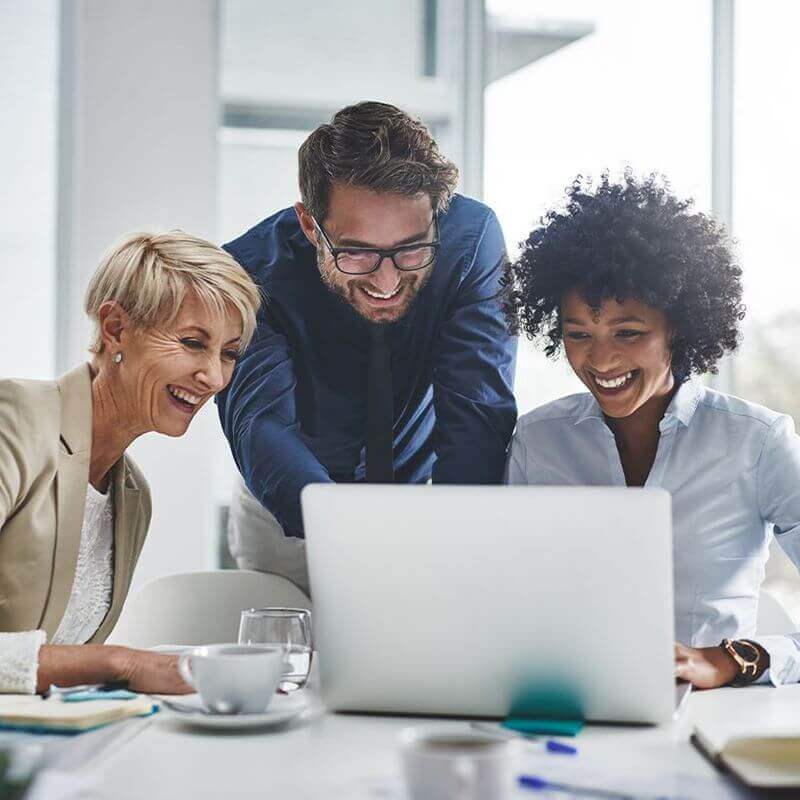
(45, 444)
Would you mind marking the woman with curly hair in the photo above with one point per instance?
(643, 293)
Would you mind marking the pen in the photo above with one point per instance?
(537, 784)
(65, 691)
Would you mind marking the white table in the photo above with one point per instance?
(350, 756)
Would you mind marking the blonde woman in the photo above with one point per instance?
(171, 313)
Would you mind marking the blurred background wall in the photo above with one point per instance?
(125, 114)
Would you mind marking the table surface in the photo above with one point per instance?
(324, 755)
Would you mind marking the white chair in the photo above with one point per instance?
(773, 618)
(200, 607)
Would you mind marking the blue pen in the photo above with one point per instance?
(537, 784)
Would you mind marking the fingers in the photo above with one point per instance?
(153, 673)
(683, 664)
(682, 671)
(681, 650)
(163, 673)
(173, 683)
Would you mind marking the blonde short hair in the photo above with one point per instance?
(149, 274)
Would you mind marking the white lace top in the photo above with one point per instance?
(90, 598)
(88, 603)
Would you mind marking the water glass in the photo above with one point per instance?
(288, 627)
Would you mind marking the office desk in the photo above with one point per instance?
(350, 756)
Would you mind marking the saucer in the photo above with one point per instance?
(282, 709)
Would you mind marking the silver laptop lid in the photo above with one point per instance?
(469, 601)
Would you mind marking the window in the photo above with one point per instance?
(619, 83)
(765, 183)
(28, 95)
(765, 180)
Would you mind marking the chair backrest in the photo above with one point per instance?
(773, 618)
(200, 607)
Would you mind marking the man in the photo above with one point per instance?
(381, 354)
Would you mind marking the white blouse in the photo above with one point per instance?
(89, 600)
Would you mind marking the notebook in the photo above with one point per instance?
(32, 713)
(766, 759)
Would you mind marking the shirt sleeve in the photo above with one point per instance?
(473, 369)
(19, 661)
(516, 472)
(259, 417)
(19, 652)
(778, 481)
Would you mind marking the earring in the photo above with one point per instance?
(117, 358)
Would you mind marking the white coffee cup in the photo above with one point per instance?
(233, 678)
(451, 763)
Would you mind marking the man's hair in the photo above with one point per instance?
(373, 146)
(150, 274)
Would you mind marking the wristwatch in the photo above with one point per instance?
(751, 658)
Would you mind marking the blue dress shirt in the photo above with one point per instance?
(733, 470)
(295, 410)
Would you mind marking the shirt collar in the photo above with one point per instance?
(681, 407)
(685, 402)
(590, 410)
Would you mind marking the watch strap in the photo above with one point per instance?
(751, 658)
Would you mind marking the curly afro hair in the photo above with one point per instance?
(632, 239)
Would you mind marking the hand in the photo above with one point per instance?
(704, 667)
(70, 665)
(150, 673)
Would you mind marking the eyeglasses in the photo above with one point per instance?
(363, 260)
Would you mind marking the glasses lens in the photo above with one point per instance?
(357, 262)
(415, 258)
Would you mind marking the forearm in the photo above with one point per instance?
(28, 665)
(276, 465)
(71, 665)
(142, 670)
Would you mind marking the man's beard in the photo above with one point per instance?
(410, 282)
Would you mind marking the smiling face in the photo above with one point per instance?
(169, 372)
(362, 218)
(621, 352)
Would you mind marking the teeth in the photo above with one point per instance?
(380, 296)
(615, 383)
(185, 396)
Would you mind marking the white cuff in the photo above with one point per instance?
(784, 659)
(19, 661)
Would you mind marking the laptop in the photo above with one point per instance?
(486, 601)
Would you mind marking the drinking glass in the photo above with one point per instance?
(288, 627)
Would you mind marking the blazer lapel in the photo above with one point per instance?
(73, 476)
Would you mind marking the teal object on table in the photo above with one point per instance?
(545, 727)
(548, 708)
